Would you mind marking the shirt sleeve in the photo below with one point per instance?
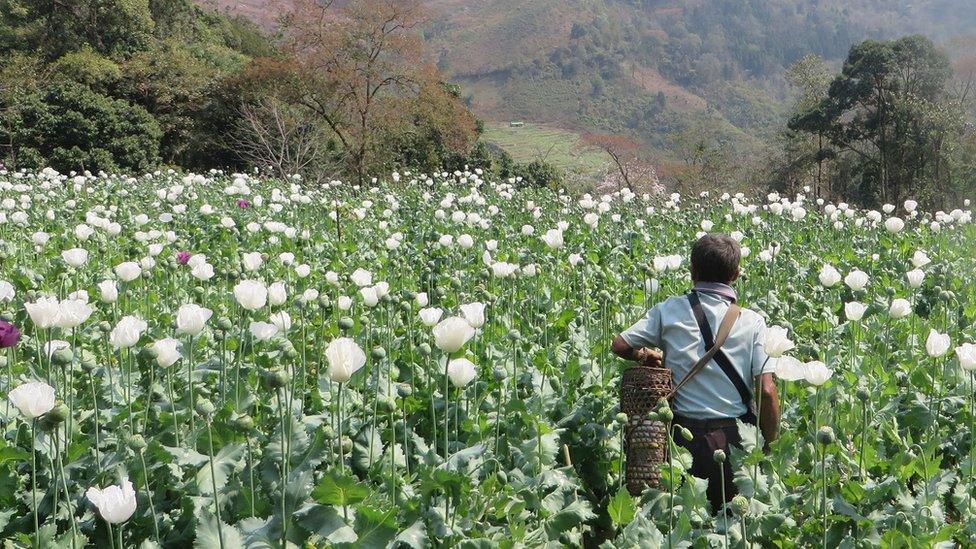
(761, 363)
(646, 332)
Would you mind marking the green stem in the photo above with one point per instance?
(342, 451)
(250, 472)
(189, 385)
(64, 483)
(284, 470)
(152, 508)
(725, 513)
(447, 402)
(864, 436)
(823, 504)
(37, 529)
(213, 483)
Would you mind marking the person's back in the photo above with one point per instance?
(684, 328)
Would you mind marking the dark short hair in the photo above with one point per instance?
(715, 258)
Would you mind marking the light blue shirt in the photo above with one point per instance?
(671, 327)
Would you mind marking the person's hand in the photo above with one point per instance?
(649, 357)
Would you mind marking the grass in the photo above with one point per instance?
(560, 147)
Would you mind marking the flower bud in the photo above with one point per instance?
(621, 418)
(719, 456)
(686, 434)
(224, 324)
(404, 390)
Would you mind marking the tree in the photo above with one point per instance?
(628, 168)
(891, 110)
(621, 149)
(810, 78)
(367, 76)
(282, 139)
(74, 128)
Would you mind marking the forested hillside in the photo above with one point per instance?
(658, 67)
(132, 85)
(115, 84)
(686, 78)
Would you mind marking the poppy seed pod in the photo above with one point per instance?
(621, 418)
(244, 423)
(345, 323)
(740, 505)
(825, 435)
(275, 379)
(55, 417)
(62, 357)
(205, 408)
(136, 442)
(386, 404)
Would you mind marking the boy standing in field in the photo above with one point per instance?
(723, 390)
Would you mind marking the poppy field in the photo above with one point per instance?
(228, 361)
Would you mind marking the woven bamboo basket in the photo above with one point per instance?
(641, 388)
(647, 448)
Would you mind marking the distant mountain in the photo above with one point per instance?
(652, 68)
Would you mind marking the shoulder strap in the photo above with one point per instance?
(724, 329)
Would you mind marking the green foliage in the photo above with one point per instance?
(622, 508)
(540, 173)
(889, 119)
(86, 66)
(135, 79)
(72, 126)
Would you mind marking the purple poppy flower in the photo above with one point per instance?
(183, 257)
(242, 204)
(9, 334)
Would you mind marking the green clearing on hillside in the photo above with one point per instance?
(559, 147)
